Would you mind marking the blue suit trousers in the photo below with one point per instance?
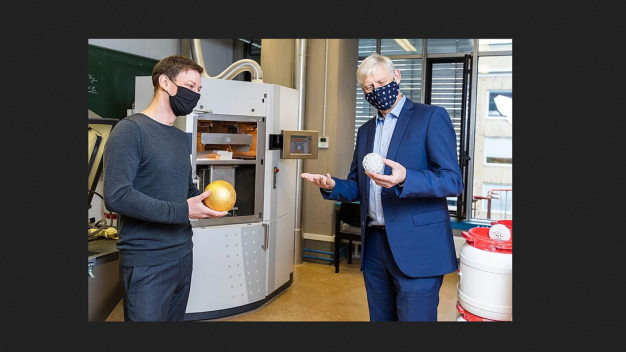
(392, 295)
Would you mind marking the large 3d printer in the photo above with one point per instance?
(243, 133)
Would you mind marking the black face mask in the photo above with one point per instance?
(184, 101)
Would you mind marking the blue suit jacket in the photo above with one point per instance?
(416, 216)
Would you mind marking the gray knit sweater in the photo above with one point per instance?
(147, 180)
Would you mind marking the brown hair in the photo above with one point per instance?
(171, 66)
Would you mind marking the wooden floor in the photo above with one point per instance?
(320, 294)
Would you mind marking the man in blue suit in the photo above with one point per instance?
(405, 225)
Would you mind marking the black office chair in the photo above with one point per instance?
(348, 213)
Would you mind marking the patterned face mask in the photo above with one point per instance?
(382, 98)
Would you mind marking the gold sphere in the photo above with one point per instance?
(222, 197)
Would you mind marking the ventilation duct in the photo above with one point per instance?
(244, 65)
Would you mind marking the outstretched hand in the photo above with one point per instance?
(325, 182)
(398, 175)
(198, 210)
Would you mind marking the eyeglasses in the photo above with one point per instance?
(370, 87)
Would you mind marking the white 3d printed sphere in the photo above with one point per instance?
(373, 162)
(499, 232)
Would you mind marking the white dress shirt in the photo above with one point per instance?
(385, 126)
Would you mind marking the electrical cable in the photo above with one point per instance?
(110, 213)
(101, 225)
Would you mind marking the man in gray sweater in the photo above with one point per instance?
(148, 181)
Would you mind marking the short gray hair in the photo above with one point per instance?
(370, 64)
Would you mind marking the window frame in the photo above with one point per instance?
(473, 118)
(470, 133)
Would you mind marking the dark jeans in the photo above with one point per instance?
(391, 295)
(157, 292)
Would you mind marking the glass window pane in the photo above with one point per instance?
(497, 202)
(390, 47)
(448, 46)
(495, 65)
(366, 47)
(495, 44)
(500, 104)
(411, 74)
(493, 151)
(364, 111)
(447, 92)
(498, 150)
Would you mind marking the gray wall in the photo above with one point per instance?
(150, 48)
(218, 53)
(338, 122)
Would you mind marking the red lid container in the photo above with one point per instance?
(478, 237)
(469, 316)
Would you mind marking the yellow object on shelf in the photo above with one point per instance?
(109, 232)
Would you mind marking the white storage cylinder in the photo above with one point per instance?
(485, 276)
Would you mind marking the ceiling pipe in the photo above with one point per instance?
(244, 65)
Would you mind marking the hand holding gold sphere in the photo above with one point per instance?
(222, 197)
